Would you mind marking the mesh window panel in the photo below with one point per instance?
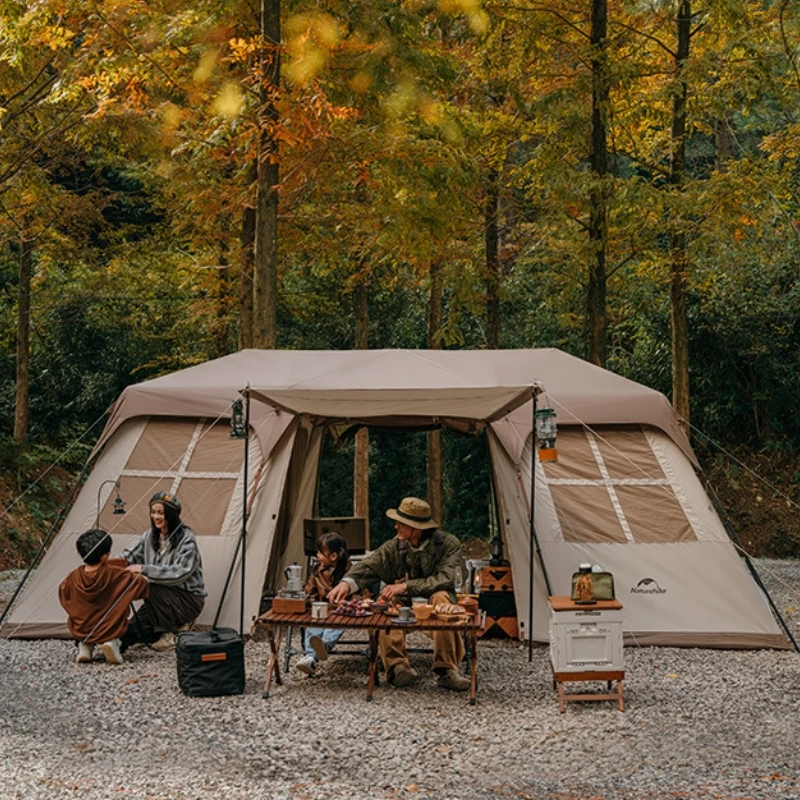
(586, 514)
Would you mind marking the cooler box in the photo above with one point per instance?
(210, 663)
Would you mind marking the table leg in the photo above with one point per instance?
(473, 651)
(619, 694)
(373, 663)
(272, 664)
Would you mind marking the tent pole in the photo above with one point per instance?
(44, 544)
(533, 528)
(244, 502)
(534, 545)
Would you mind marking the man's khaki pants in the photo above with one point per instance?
(448, 647)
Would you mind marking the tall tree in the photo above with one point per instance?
(598, 160)
(265, 280)
(679, 256)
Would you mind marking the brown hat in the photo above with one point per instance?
(413, 512)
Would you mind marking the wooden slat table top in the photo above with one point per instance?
(368, 622)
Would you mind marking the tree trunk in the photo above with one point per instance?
(679, 257)
(596, 298)
(361, 462)
(247, 240)
(723, 142)
(265, 279)
(434, 438)
(23, 341)
(491, 214)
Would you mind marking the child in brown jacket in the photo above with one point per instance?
(333, 562)
(97, 597)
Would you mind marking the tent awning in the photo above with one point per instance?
(399, 407)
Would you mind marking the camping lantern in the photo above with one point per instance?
(546, 433)
(496, 551)
(119, 504)
(238, 427)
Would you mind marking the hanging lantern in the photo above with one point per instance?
(238, 428)
(546, 433)
(496, 551)
(119, 504)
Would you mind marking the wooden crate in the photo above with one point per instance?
(289, 605)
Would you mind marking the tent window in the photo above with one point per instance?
(586, 514)
(608, 486)
(654, 514)
(197, 461)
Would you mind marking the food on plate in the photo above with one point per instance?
(449, 608)
(351, 608)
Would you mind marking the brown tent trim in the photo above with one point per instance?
(709, 641)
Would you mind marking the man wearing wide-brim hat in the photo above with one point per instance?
(421, 561)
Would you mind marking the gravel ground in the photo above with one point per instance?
(698, 724)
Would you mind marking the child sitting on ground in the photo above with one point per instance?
(332, 563)
(97, 597)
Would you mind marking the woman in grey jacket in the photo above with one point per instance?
(168, 557)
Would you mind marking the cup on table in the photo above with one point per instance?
(319, 610)
(404, 614)
(418, 601)
(422, 611)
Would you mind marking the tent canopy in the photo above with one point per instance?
(377, 386)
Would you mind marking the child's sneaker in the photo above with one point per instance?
(318, 646)
(85, 653)
(307, 664)
(111, 651)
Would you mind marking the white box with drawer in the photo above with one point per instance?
(585, 638)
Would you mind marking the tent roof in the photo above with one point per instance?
(400, 387)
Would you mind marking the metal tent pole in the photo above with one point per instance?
(244, 503)
(534, 545)
(532, 527)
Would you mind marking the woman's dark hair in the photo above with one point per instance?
(334, 544)
(93, 545)
(174, 525)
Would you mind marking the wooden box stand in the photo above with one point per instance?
(496, 599)
(586, 645)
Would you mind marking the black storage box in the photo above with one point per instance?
(210, 663)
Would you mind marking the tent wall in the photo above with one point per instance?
(677, 588)
(38, 613)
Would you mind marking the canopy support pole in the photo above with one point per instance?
(534, 543)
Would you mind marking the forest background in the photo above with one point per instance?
(617, 179)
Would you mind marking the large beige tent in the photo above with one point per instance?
(624, 493)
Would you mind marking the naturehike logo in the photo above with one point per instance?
(647, 586)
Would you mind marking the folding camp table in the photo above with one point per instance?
(276, 622)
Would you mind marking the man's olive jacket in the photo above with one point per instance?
(423, 576)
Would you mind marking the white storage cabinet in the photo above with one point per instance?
(585, 640)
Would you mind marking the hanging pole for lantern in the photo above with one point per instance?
(244, 502)
(536, 444)
(119, 503)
